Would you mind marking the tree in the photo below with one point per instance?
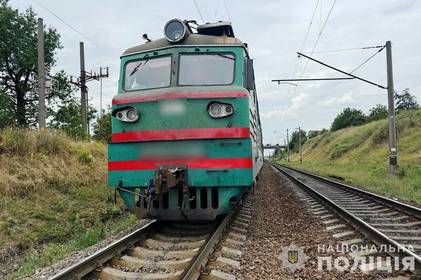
(293, 143)
(348, 117)
(67, 118)
(378, 112)
(18, 60)
(102, 127)
(6, 110)
(405, 101)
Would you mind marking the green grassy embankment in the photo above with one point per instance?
(359, 155)
(53, 199)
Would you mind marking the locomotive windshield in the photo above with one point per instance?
(206, 69)
(148, 73)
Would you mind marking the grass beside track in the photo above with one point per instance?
(359, 156)
(53, 199)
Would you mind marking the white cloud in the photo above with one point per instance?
(345, 99)
(296, 103)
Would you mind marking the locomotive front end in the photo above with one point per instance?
(182, 145)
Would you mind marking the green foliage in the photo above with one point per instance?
(84, 156)
(293, 144)
(18, 60)
(25, 142)
(16, 141)
(51, 202)
(378, 112)
(405, 101)
(280, 153)
(348, 117)
(6, 110)
(359, 155)
(102, 127)
(67, 118)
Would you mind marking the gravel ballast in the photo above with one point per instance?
(279, 219)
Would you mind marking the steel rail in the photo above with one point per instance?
(375, 235)
(199, 263)
(408, 209)
(89, 263)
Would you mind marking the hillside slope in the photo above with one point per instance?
(359, 155)
(53, 199)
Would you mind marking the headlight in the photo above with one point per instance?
(219, 110)
(175, 30)
(129, 114)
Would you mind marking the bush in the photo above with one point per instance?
(348, 117)
(378, 112)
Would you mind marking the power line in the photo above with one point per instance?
(324, 25)
(295, 71)
(227, 10)
(320, 34)
(198, 10)
(309, 26)
(216, 9)
(349, 49)
(71, 27)
(365, 61)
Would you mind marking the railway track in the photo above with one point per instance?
(160, 250)
(384, 221)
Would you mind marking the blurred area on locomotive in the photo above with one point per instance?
(186, 134)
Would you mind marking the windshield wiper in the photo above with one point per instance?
(138, 66)
(227, 56)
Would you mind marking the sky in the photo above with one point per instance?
(274, 30)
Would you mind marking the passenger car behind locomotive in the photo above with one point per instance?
(186, 134)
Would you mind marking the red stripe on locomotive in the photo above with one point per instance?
(191, 163)
(181, 134)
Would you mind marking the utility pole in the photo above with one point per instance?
(83, 89)
(41, 74)
(285, 149)
(287, 146)
(100, 93)
(81, 83)
(393, 156)
(299, 144)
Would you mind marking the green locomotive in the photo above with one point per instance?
(186, 133)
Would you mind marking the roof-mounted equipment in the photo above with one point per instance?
(220, 28)
(176, 30)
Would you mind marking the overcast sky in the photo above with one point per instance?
(275, 31)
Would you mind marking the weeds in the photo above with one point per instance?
(359, 155)
(53, 197)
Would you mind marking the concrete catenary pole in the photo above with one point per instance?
(393, 155)
(299, 144)
(41, 74)
(83, 89)
(287, 146)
